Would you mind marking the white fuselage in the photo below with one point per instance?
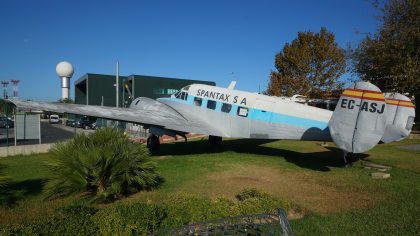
(233, 113)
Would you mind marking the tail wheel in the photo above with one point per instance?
(153, 143)
(215, 141)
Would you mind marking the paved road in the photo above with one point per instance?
(412, 147)
(50, 133)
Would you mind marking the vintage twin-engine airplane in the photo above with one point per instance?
(363, 116)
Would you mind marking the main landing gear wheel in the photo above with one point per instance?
(153, 143)
(215, 141)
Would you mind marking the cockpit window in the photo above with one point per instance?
(184, 95)
(186, 88)
(181, 95)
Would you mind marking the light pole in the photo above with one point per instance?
(117, 85)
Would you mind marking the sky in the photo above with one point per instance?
(202, 40)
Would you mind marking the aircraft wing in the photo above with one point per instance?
(147, 112)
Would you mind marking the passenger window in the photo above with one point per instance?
(198, 101)
(242, 111)
(226, 107)
(211, 104)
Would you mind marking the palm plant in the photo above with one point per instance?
(103, 165)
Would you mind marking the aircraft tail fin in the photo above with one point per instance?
(400, 117)
(359, 120)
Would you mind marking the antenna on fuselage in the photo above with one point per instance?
(232, 85)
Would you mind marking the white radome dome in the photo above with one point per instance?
(64, 69)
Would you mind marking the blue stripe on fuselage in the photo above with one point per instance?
(258, 114)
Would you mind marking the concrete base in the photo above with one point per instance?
(25, 149)
(380, 175)
(378, 169)
(374, 166)
(415, 147)
(414, 135)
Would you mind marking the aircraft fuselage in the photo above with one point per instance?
(238, 114)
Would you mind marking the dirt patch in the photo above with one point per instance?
(306, 189)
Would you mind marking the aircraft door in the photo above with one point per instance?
(261, 119)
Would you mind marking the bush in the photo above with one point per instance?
(134, 219)
(252, 201)
(104, 166)
(142, 218)
(69, 220)
(185, 209)
(250, 193)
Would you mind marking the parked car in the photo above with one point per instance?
(6, 122)
(70, 122)
(90, 125)
(54, 119)
(86, 123)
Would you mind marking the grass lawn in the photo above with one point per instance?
(325, 198)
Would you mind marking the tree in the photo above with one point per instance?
(311, 65)
(104, 166)
(390, 58)
(6, 108)
(65, 100)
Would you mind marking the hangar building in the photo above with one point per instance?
(99, 89)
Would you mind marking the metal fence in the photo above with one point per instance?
(134, 131)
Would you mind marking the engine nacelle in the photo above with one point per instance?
(359, 120)
(400, 115)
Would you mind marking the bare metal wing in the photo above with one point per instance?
(147, 112)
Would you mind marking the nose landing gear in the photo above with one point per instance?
(215, 141)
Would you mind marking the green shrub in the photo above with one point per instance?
(134, 219)
(104, 165)
(69, 220)
(252, 201)
(185, 209)
(249, 193)
(142, 218)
